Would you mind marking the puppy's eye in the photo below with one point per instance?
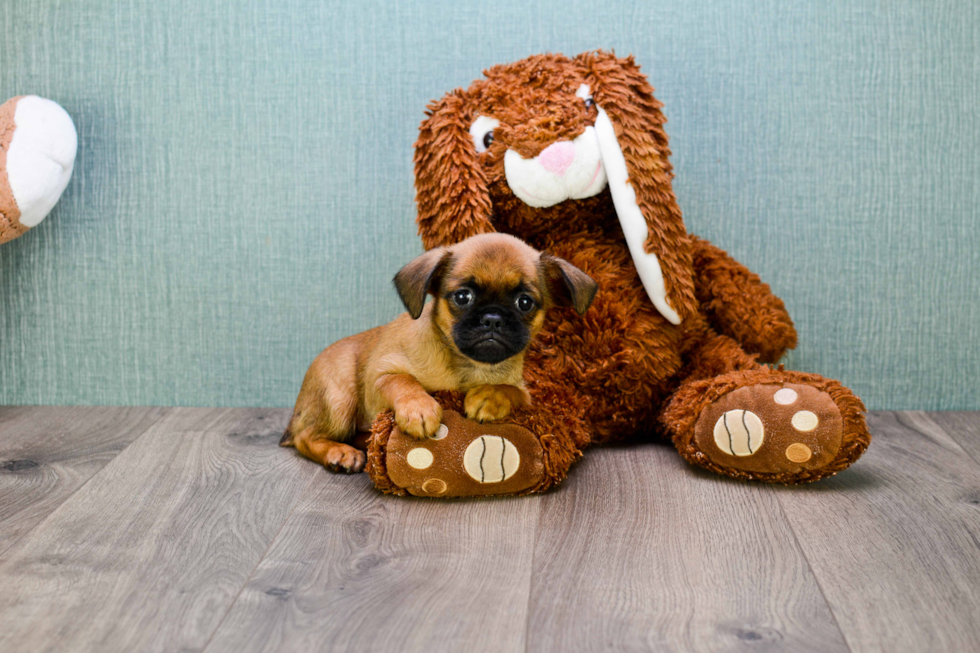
(525, 303)
(589, 103)
(462, 297)
(482, 132)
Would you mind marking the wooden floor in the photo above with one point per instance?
(148, 529)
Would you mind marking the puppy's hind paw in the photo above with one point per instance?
(344, 458)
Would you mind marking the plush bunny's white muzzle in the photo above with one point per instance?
(564, 170)
(581, 168)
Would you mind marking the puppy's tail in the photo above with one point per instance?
(287, 438)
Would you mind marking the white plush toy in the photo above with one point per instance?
(37, 156)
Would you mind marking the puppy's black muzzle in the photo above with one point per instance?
(492, 322)
(490, 334)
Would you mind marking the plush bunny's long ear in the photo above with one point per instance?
(450, 185)
(635, 152)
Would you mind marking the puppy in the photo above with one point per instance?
(491, 293)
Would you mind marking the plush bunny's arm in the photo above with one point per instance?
(739, 305)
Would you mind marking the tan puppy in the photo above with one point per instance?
(491, 293)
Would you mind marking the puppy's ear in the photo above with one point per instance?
(630, 127)
(420, 277)
(450, 185)
(567, 284)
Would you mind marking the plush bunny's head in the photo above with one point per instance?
(547, 142)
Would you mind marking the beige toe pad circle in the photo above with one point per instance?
(434, 486)
(491, 459)
(739, 432)
(785, 396)
(805, 421)
(419, 458)
(798, 452)
(441, 432)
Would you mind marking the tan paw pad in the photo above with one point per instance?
(434, 487)
(798, 452)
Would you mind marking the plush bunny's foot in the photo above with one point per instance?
(37, 156)
(769, 425)
(771, 428)
(464, 459)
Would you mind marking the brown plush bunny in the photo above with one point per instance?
(571, 155)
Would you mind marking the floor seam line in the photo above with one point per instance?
(530, 579)
(816, 578)
(23, 537)
(952, 437)
(251, 574)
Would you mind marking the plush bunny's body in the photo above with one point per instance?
(571, 156)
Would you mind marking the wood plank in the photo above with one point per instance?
(639, 552)
(895, 540)
(354, 570)
(963, 427)
(47, 453)
(154, 549)
(10, 413)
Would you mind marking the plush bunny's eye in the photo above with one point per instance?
(585, 93)
(482, 132)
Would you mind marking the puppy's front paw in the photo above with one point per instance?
(419, 417)
(485, 403)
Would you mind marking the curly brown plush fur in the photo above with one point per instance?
(622, 370)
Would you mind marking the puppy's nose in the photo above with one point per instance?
(492, 321)
(557, 157)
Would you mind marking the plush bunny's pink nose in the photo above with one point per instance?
(557, 157)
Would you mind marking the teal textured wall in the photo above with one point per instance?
(243, 189)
